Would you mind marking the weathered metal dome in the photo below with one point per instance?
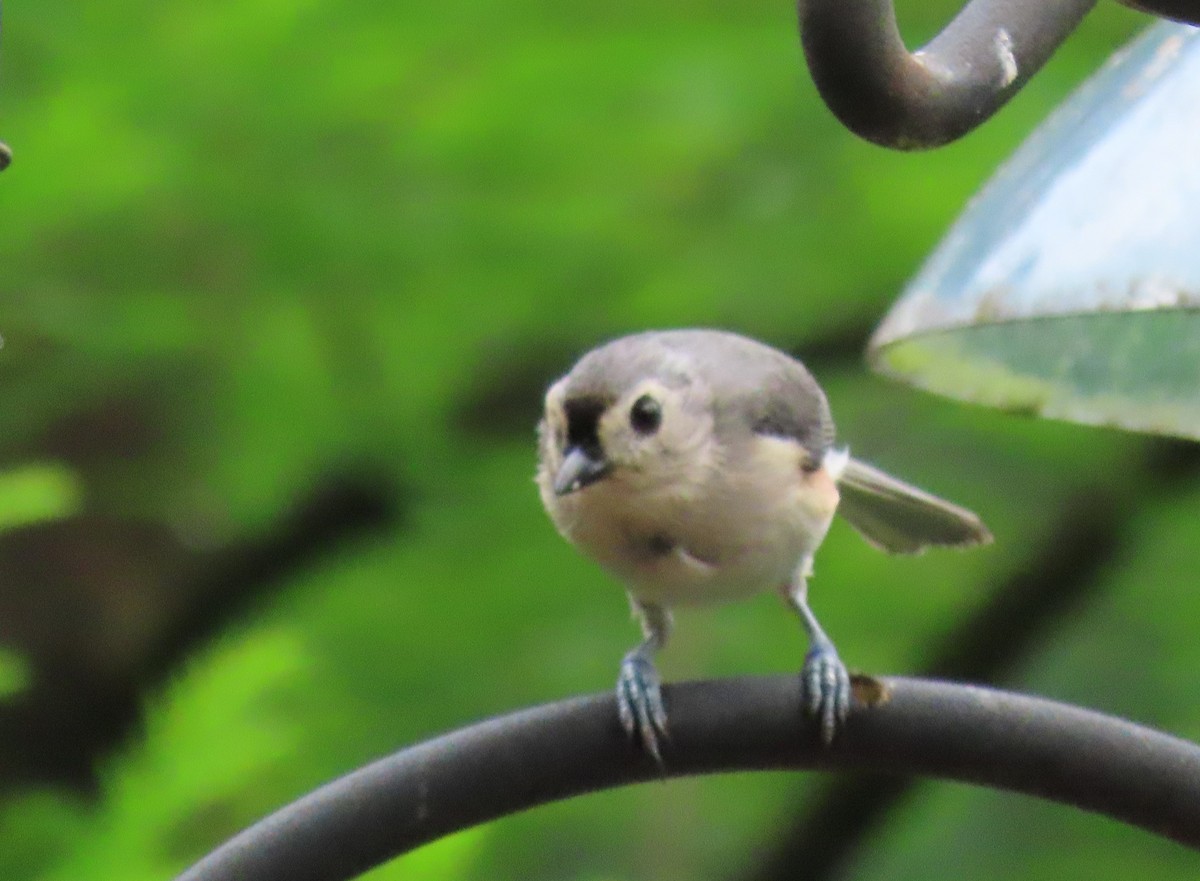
(1070, 286)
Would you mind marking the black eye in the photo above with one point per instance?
(645, 415)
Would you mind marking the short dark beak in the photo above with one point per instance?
(579, 469)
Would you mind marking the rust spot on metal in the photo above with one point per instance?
(868, 690)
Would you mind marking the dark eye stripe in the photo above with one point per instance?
(583, 422)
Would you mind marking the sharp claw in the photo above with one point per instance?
(625, 706)
(658, 713)
(649, 738)
(812, 687)
(640, 703)
(844, 695)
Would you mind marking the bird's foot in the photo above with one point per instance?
(640, 703)
(825, 685)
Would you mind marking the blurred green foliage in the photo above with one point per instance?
(38, 492)
(247, 245)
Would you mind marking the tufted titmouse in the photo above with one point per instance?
(698, 466)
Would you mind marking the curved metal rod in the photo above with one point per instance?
(539, 755)
(930, 97)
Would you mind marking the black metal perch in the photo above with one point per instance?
(911, 727)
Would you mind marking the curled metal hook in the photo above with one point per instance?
(916, 100)
(909, 101)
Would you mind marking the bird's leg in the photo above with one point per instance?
(824, 681)
(639, 696)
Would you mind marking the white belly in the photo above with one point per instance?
(747, 530)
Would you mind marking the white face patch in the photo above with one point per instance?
(552, 429)
(630, 447)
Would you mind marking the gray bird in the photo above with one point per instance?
(699, 466)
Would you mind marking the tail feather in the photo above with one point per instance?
(902, 519)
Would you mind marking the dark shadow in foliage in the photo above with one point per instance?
(89, 683)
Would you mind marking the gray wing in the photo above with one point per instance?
(758, 386)
(901, 519)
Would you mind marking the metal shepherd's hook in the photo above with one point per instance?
(917, 100)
